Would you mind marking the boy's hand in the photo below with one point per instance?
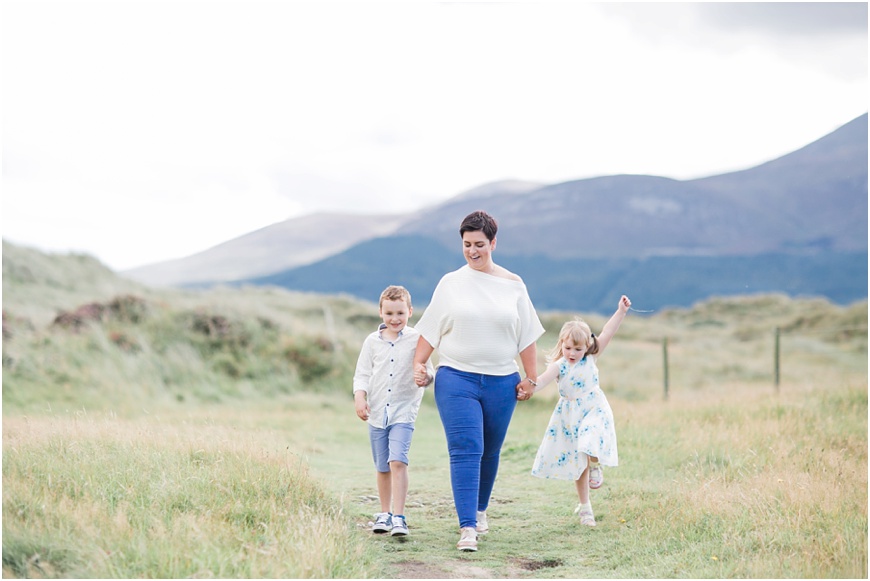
(624, 304)
(421, 376)
(361, 405)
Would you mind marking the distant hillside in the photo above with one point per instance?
(796, 225)
(814, 199)
(775, 227)
(125, 348)
(293, 242)
(585, 284)
(37, 285)
(277, 247)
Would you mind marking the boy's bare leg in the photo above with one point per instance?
(385, 490)
(399, 472)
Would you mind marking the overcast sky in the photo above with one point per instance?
(143, 131)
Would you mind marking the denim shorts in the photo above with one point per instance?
(390, 444)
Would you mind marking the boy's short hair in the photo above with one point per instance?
(395, 293)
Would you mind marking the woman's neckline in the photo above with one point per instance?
(488, 275)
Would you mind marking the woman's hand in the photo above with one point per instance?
(525, 389)
(421, 376)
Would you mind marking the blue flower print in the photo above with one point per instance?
(581, 424)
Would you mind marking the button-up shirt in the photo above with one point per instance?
(385, 371)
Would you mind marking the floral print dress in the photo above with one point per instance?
(581, 425)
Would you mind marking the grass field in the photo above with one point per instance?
(184, 434)
(735, 482)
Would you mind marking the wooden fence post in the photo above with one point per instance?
(665, 361)
(776, 359)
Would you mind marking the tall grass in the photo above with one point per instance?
(736, 482)
(182, 353)
(731, 482)
(112, 498)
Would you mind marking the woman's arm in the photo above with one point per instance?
(421, 356)
(529, 359)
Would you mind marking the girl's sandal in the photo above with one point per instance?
(587, 517)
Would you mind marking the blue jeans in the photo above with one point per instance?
(475, 411)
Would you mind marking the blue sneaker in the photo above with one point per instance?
(383, 523)
(400, 526)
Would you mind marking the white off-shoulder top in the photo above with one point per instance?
(479, 322)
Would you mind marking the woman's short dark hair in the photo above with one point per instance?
(479, 221)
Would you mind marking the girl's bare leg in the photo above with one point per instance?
(582, 484)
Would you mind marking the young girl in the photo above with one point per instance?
(580, 436)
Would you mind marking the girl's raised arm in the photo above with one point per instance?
(613, 324)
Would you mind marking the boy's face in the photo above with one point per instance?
(395, 314)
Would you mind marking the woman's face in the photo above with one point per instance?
(478, 250)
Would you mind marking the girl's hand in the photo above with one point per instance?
(421, 376)
(624, 304)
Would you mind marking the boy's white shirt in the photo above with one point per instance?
(385, 371)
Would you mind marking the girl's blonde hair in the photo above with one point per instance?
(579, 333)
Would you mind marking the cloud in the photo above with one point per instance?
(239, 114)
(786, 19)
(828, 37)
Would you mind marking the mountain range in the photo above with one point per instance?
(796, 224)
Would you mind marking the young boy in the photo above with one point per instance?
(387, 397)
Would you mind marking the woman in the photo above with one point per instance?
(479, 319)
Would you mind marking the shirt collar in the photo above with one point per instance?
(383, 326)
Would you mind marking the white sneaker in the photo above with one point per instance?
(468, 540)
(400, 526)
(482, 526)
(383, 523)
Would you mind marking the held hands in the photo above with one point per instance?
(421, 376)
(525, 389)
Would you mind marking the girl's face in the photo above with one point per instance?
(477, 250)
(572, 352)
